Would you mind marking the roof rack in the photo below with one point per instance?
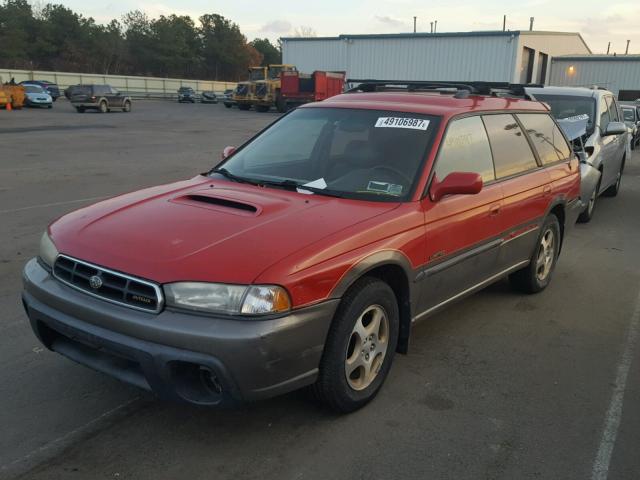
(459, 89)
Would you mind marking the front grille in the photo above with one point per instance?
(242, 90)
(261, 90)
(108, 285)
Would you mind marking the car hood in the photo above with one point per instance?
(204, 230)
(31, 95)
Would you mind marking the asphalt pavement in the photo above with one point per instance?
(499, 386)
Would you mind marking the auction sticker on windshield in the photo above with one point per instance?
(402, 122)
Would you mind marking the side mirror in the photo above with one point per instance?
(456, 183)
(228, 151)
(615, 128)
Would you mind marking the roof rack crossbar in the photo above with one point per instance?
(473, 87)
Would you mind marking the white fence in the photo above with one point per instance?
(135, 86)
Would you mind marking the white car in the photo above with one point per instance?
(36, 96)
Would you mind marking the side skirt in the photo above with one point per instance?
(470, 290)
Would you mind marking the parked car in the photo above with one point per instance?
(208, 97)
(227, 98)
(186, 95)
(36, 96)
(102, 98)
(51, 88)
(307, 255)
(606, 141)
(631, 116)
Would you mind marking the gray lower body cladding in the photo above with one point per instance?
(179, 356)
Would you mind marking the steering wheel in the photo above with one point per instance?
(394, 171)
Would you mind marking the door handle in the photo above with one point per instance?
(546, 191)
(494, 210)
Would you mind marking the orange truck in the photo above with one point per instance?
(299, 88)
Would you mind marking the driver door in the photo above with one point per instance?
(463, 231)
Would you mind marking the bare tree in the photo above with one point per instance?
(304, 31)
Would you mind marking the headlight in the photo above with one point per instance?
(229, 299)
(48, 251)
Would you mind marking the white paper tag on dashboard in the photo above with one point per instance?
(402, 122)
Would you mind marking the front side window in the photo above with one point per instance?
(604, 115)
(511, 152)
(465, 148)
(364, 154)
(546, 137)
(613, 109)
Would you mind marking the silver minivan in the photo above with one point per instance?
(606, 142)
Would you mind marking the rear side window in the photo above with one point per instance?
(511, 151)
(466, 149)
(546, 137)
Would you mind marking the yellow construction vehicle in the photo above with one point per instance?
(11, 94)
(243, 95)
(267, 91)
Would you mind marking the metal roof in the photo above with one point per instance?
(598, 58)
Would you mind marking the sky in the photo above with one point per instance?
(599, 22)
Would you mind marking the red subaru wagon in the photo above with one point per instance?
(305, 257)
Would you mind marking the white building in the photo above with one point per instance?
(620, 73)
(500, 56)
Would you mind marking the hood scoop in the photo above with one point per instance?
(218, 203)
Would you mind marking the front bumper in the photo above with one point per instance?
(199, 359)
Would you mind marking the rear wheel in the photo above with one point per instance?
(613, 190)
(537, 275)
(103, 108)
(127, 106)
(360, 346)
(281, 104)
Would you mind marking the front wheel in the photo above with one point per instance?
(537, 275)
(103, 108)
(360, 346)
(587, 214)
(228, 105)
(127, 106)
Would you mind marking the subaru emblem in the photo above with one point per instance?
(95, 282)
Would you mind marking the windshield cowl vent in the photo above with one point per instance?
(225, 203)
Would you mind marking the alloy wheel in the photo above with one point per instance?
(546, 255)
(367, 347)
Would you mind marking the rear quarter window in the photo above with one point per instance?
(511, 151)
(546, 137)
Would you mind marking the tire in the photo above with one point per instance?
(49, 106)
(613, 190)
(536, 276)
(587, 214)
(127, 107)
(281, 104)
(80, 109)
(103, 108)
(228, 105)
(368, 299)
(244, 107)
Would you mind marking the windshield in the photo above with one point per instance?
(365, 154)
(257, 74)
(570, 106)
(33, 89)
(274, 72)
(629, 115)
(185, 90)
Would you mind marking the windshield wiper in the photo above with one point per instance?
(293, 185)
(226, 173)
